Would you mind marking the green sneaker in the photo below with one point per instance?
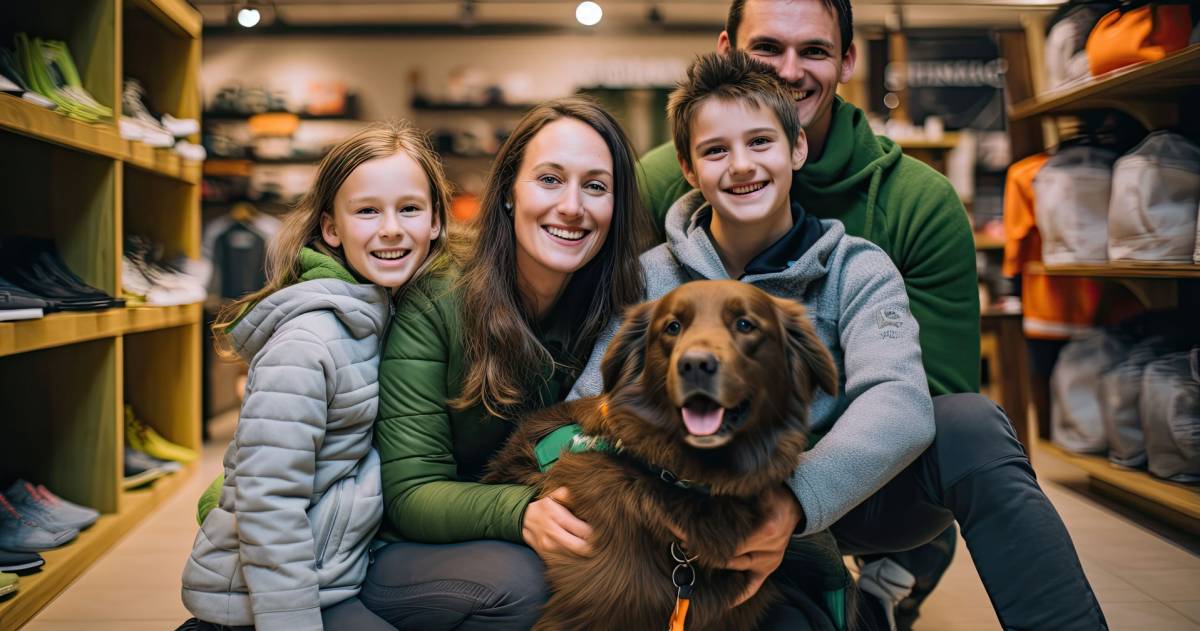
(58, 58)
(8, 583)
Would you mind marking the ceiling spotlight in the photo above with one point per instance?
(588, 13)
(249, 17)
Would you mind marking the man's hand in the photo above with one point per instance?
(762, 551)
(550, 527)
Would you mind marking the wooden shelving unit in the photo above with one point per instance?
(66, 378)
(1161, 81)
(1154, 93)
(1122, 269)
(1182, 501)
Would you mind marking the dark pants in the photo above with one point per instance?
(470, 586)
(348, 614)
(977, 473)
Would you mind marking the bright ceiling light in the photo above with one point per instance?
(248, 17)
(588, 13)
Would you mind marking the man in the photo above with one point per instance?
(976, 472)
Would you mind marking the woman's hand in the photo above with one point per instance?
(550, 527)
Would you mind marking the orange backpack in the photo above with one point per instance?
(1129, 36)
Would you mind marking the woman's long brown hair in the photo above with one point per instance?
(504, 358)
(302, 226)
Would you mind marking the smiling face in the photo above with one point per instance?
(383, 219)
(800, 39)
(562, 203)
(742, 163)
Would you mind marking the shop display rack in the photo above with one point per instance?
(1145, 85)
(1155, 94)
(66, 378)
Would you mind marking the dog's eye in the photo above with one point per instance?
(743, 325)
(673, 327)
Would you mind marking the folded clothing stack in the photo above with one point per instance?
(44, 68)
(138, 122)
(149, 279)
(33, 276)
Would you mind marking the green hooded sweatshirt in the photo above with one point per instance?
(896, 202)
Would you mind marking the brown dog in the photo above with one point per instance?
(710, 386)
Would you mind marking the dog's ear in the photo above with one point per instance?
(805, 352)
(626, 355)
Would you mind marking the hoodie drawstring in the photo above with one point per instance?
(872, 191)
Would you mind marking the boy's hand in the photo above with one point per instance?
(550, 527)
(762, 552)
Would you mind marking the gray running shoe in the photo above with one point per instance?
(141, 469)
(76, 511)
(26, 498)
(22, 532)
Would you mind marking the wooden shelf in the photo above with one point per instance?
(174, 14)
(948, 141)
(25, 118)
(162, 161)
(985, 242)
(1179, 498)
(65, 564)
(1120, 269)
(431, 106)
(1157, 80)
(61, 329)
(348, 117)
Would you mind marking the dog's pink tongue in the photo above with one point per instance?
(703, 422)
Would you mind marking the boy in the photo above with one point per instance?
(738, 142)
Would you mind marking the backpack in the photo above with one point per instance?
(1155, 192)
(1170, 405)
(1076, 420)
(1072, 196)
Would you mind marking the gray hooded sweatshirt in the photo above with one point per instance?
(882, 416)
(301, 499)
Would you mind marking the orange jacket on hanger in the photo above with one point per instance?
(1055, 307)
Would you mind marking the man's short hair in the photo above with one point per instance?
(732, 77)
(841, 10)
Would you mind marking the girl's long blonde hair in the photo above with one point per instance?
(302, 226)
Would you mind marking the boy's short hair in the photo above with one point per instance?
(733, 76)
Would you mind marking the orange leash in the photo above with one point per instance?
(684, 579)
(680, 614)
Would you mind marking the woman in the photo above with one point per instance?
(554, 257)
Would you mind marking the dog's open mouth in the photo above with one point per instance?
(708, 424)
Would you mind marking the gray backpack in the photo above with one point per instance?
(1076, 421)
(1120, 393)
(1155, 191)
(1170, 404)
(1072, 194)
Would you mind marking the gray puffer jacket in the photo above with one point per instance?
(301, 499)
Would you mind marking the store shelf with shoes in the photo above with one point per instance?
(1114, 172)
(74, 189)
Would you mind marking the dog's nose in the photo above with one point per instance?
(697, 364)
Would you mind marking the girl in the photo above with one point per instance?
(555, 256)
(286, 548)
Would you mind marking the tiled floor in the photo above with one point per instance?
(1144, 582)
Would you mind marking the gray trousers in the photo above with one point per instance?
(469, 586)
(975, 473)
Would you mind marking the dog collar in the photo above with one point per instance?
(571, 439)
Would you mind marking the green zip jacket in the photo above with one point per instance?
(896, 202)
(431, 455)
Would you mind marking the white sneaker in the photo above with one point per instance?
(190, 151)
(889, 583)
(180, 127)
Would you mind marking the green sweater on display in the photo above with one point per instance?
(896, 202)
